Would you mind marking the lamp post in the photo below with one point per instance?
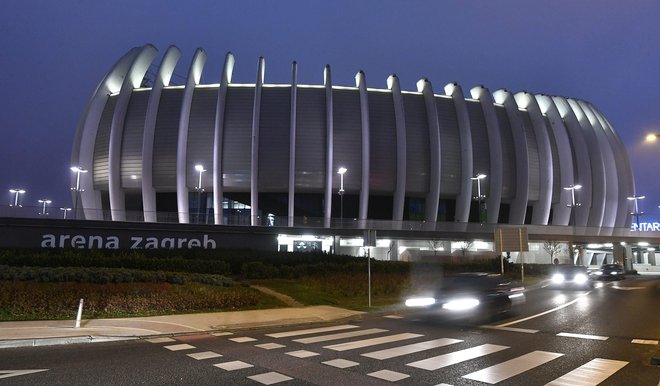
(342, 170)
(636, 212)
(479, 197)
(200, 189)
(16, 192)
(78, 170)
(44, 202)
(65, 210)
(652, 137)
(572, 205)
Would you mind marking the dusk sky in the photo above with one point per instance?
(54, 53)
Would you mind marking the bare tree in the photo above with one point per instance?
(435, 245)
(553, 248)
(465, 245)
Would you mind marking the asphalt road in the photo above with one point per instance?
(569, 335)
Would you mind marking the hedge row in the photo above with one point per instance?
(108, 275)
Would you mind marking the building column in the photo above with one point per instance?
(194, 77)
(467, 162)
(165, 71)
(218, 138)
(361, 84)
(401, 153)
(254, 164)
(82, 154)
(329, 149)
(433, 196)
(292, 145)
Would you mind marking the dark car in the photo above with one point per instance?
(570, 276)
(475, 296)
(610, 272)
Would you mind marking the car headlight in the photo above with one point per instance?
(420, 302)
(558, 278)
(615, 273)
(580, 278)
(462, 304)
(598, 273)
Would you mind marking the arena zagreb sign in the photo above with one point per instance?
(645, 227)
(134, 242)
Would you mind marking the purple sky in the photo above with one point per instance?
(54, 53)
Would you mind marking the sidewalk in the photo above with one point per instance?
(52, 332)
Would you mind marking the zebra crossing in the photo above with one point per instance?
(349, 337)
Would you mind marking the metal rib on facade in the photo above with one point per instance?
(530, 151)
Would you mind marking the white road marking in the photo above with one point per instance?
(627, 288)
(411, 348)
(389, 375)
(309, 331)
(582, 336)
(160, 340)
(302, 354)
(16, 373)
(233, 365)
(394, 316)
(270, 378)
(343, 335)
(589, 374)
(340, 363)
(225, 333)
(544, 312)
(269, 346)
(204, 355)
(644, 341)
(440, 361)
(513, 367)
(513, 329)
(242, 339)
(371, 342)
(177, 347)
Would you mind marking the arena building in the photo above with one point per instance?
(147, 150)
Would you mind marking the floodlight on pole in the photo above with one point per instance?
(636, 212)
(65, 210)
(78, 170)
(16, 192)
(341, 171)
(479, 197)
(652, 137)
(44, 202)
(200, 169)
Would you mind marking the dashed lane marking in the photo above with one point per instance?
(582, 336)
(371, 342)
(233, 365)
(178, 347)
(411, 348)
(513, 329)
(590, 374)
(343, 335)
(204, 355)
(505, 370)
(269, 346)
(302, 354)
(389, 375)
(224, 333)
(160, 340)
(270, 378)
(340, 363)
(242, 339)
(310, 331)
(440, 361)
(393, 316)
(644, 341)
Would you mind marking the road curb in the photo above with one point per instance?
(38, 342)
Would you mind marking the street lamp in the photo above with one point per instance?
(45, 202)
(200, 189)
(16, 192)
(341, 172)
(636, 213)
(479, 197)
(65, 210)
(78, 170)
(652, 137)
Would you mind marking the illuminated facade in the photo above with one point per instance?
(274, 150)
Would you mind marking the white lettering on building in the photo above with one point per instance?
(136, 242)
(645, 227)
